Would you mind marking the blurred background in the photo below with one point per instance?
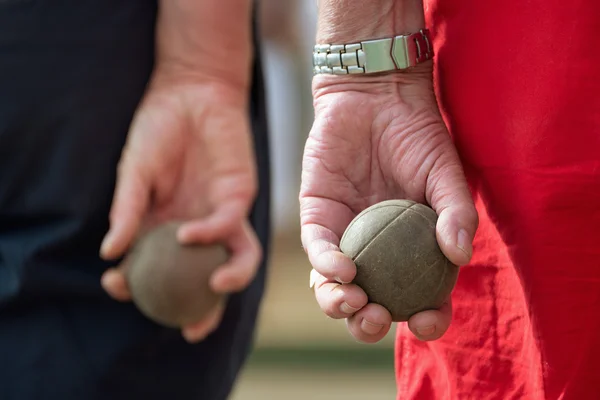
(300, 353)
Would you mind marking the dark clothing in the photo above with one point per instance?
(71, 76)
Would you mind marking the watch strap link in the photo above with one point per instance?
(373, 56)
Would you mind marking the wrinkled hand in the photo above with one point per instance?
(376, 138)
(188, 157)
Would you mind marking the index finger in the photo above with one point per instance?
(218, 225)
(240, 269)
(323, 222)
(130, 202)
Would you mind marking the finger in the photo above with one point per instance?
(338, 301)
(323, 222)
(199, 331)
(432, 324)
(321, 246)
(218, 225)
(114, 283)
(130, 203)
(451, 198)
(242, 265)
(370, 324)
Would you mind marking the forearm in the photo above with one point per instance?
(347, 21)
(206, 37)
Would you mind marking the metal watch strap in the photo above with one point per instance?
(373, 56)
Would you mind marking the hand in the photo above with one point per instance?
(376, 138)
(188, 156)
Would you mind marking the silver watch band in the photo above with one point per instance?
(373, 56)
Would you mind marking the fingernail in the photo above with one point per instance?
(426, 330)
(105, 246)
(337, 278)
(314, 277)
(190, 337)
(182, 235)
(104, 280)
(370, 328)
(347, 309)
(464, 243)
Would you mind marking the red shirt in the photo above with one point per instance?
(519, 84)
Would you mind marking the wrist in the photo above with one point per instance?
(209, 38)
(348, 21)
(175, 84)
(418, 79)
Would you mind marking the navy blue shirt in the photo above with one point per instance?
(71, 76)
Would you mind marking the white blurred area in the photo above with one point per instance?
(288, 32)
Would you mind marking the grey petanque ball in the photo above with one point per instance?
(399, 262)
(169, 282)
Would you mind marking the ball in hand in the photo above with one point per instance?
(168, 281)
(400, 265)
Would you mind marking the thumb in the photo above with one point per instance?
(449, 195)
(130, 203)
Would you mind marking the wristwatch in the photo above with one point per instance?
(372, 56)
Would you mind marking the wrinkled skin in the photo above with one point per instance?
(376, 138)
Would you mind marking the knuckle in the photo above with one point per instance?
(237, 278)
(331, 311)
(329, 304)
(252, 191)
(474, 217)
(322, 270)
(243, 279)
(325, 264)
(237, 285)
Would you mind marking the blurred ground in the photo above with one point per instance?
(302, 384)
